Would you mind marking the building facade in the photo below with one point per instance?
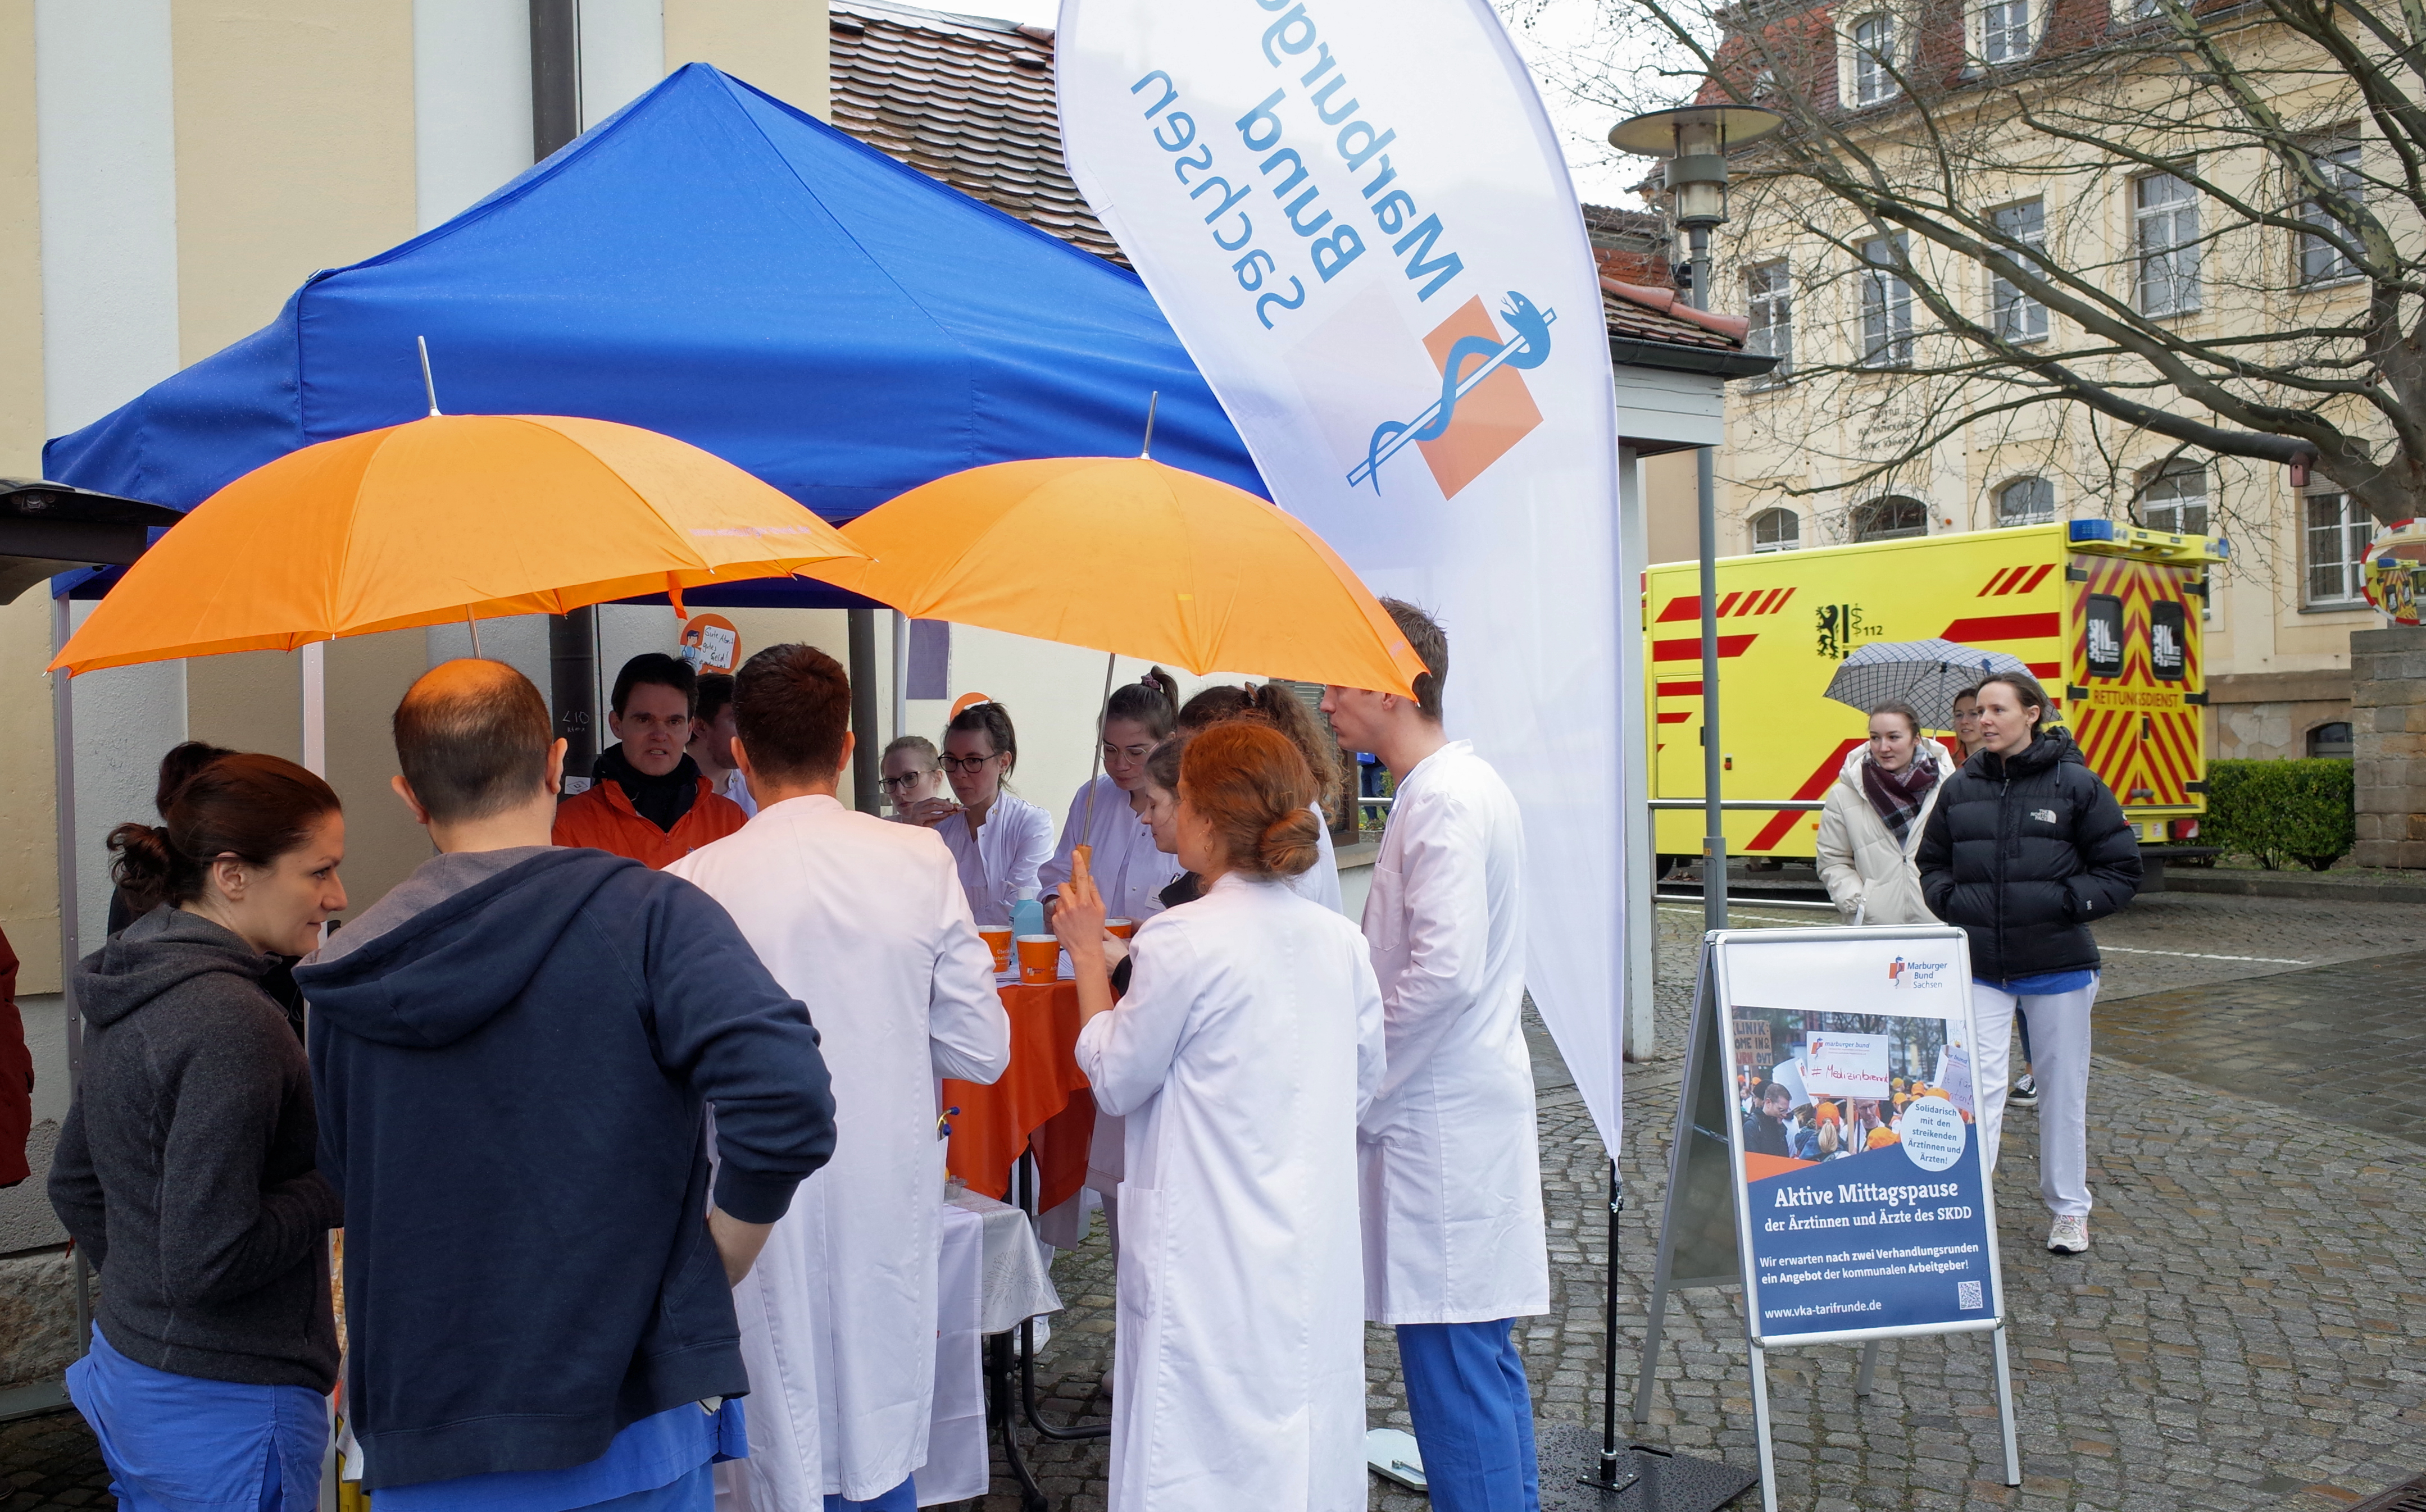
(2049, 119)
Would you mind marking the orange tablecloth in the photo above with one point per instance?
(1042, 1099)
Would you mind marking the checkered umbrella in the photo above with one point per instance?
(1926, 674)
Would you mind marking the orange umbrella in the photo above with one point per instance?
(1125, 554)
(446, 519)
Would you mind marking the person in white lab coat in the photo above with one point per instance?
(1127, 869)
(1454, 1248)
(997, 838)
(866, 920)
(1286, 712)
(1247, 1046)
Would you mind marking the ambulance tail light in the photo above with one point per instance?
(2182, 829)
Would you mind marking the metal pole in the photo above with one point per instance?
(314, 663)
(573, 681)
(70, 946)
(1714, 841)
(1868, 1374)
(1761, 1428)
(1613, 1449)
(900, 674)
(868, 798)
(2005, 1409)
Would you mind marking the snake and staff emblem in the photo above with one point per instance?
(1529, 348)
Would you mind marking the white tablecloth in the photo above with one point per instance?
(991, 1276)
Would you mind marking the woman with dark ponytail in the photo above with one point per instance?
(1274, 706)
(1247, 1046)
(997, 838)
(187, 1167)
(1128, 871)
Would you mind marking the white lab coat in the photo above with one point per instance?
(736, 789)
(1128, 871)
(1249, 1041)
(1453, 1167)
(864, 922)
(1319, 882)
(1003, 856)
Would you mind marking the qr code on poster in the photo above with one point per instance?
(1966, 1295)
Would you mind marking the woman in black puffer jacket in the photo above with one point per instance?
(2025, 848)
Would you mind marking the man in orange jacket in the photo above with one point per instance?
(647, 799)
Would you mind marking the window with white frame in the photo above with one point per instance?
(2028, 500)
(1770, 299)
(1874, 59)
(1776, 530)
(2175, 500)
(1890, 518)
(2334, 543)
(2320, 260)
(2165, 242)
(2014, 316)
(2005, 34)
(1887, 305)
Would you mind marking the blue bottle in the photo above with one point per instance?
(1028, 914)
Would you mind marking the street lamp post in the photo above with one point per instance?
(1695, 141)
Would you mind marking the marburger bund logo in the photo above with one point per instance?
(1918, 975)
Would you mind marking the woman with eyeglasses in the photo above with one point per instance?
(1127, 869)
(913, 780)
(997, 838)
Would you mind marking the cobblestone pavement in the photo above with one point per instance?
(2345, 1042)
(2244, 1334)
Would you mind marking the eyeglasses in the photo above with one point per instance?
(967, 763)
(906, 779)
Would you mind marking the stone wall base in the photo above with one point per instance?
(37, 1316)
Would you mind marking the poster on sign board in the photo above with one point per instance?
(1862, 1197)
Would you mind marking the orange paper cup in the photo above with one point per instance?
(998, 939)
(1039, 958)
(1121, 928)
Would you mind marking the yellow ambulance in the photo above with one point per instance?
(2106, 616)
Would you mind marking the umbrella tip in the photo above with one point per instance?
(1145, 452)
(428, 385)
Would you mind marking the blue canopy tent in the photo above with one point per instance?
(712, 264)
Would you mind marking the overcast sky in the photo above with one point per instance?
(1564, 38)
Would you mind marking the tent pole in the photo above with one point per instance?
(71, 948)
(900, 674)
(865, 757)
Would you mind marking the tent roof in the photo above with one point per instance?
(712, 264)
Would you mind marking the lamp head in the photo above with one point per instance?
(1696, 141)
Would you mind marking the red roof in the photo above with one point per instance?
(969, 100)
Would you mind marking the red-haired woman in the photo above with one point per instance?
(1248, 1046)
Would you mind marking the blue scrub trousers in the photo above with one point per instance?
(903, 1498)
(1474, 1415)
(181, 1443)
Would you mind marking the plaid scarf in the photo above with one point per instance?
(1897, 795)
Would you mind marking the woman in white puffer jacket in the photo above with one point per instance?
(1873, 822)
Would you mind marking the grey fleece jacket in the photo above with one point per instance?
(187, 1167)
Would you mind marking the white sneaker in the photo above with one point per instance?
(2068, 1236)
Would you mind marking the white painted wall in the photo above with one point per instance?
(471, 104)
(106, 110)
(622, 54)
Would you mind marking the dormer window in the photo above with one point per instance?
(2006, 35)
(1874, 59)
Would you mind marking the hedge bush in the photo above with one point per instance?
(2278, 811)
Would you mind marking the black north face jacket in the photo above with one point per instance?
(2022, 852)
